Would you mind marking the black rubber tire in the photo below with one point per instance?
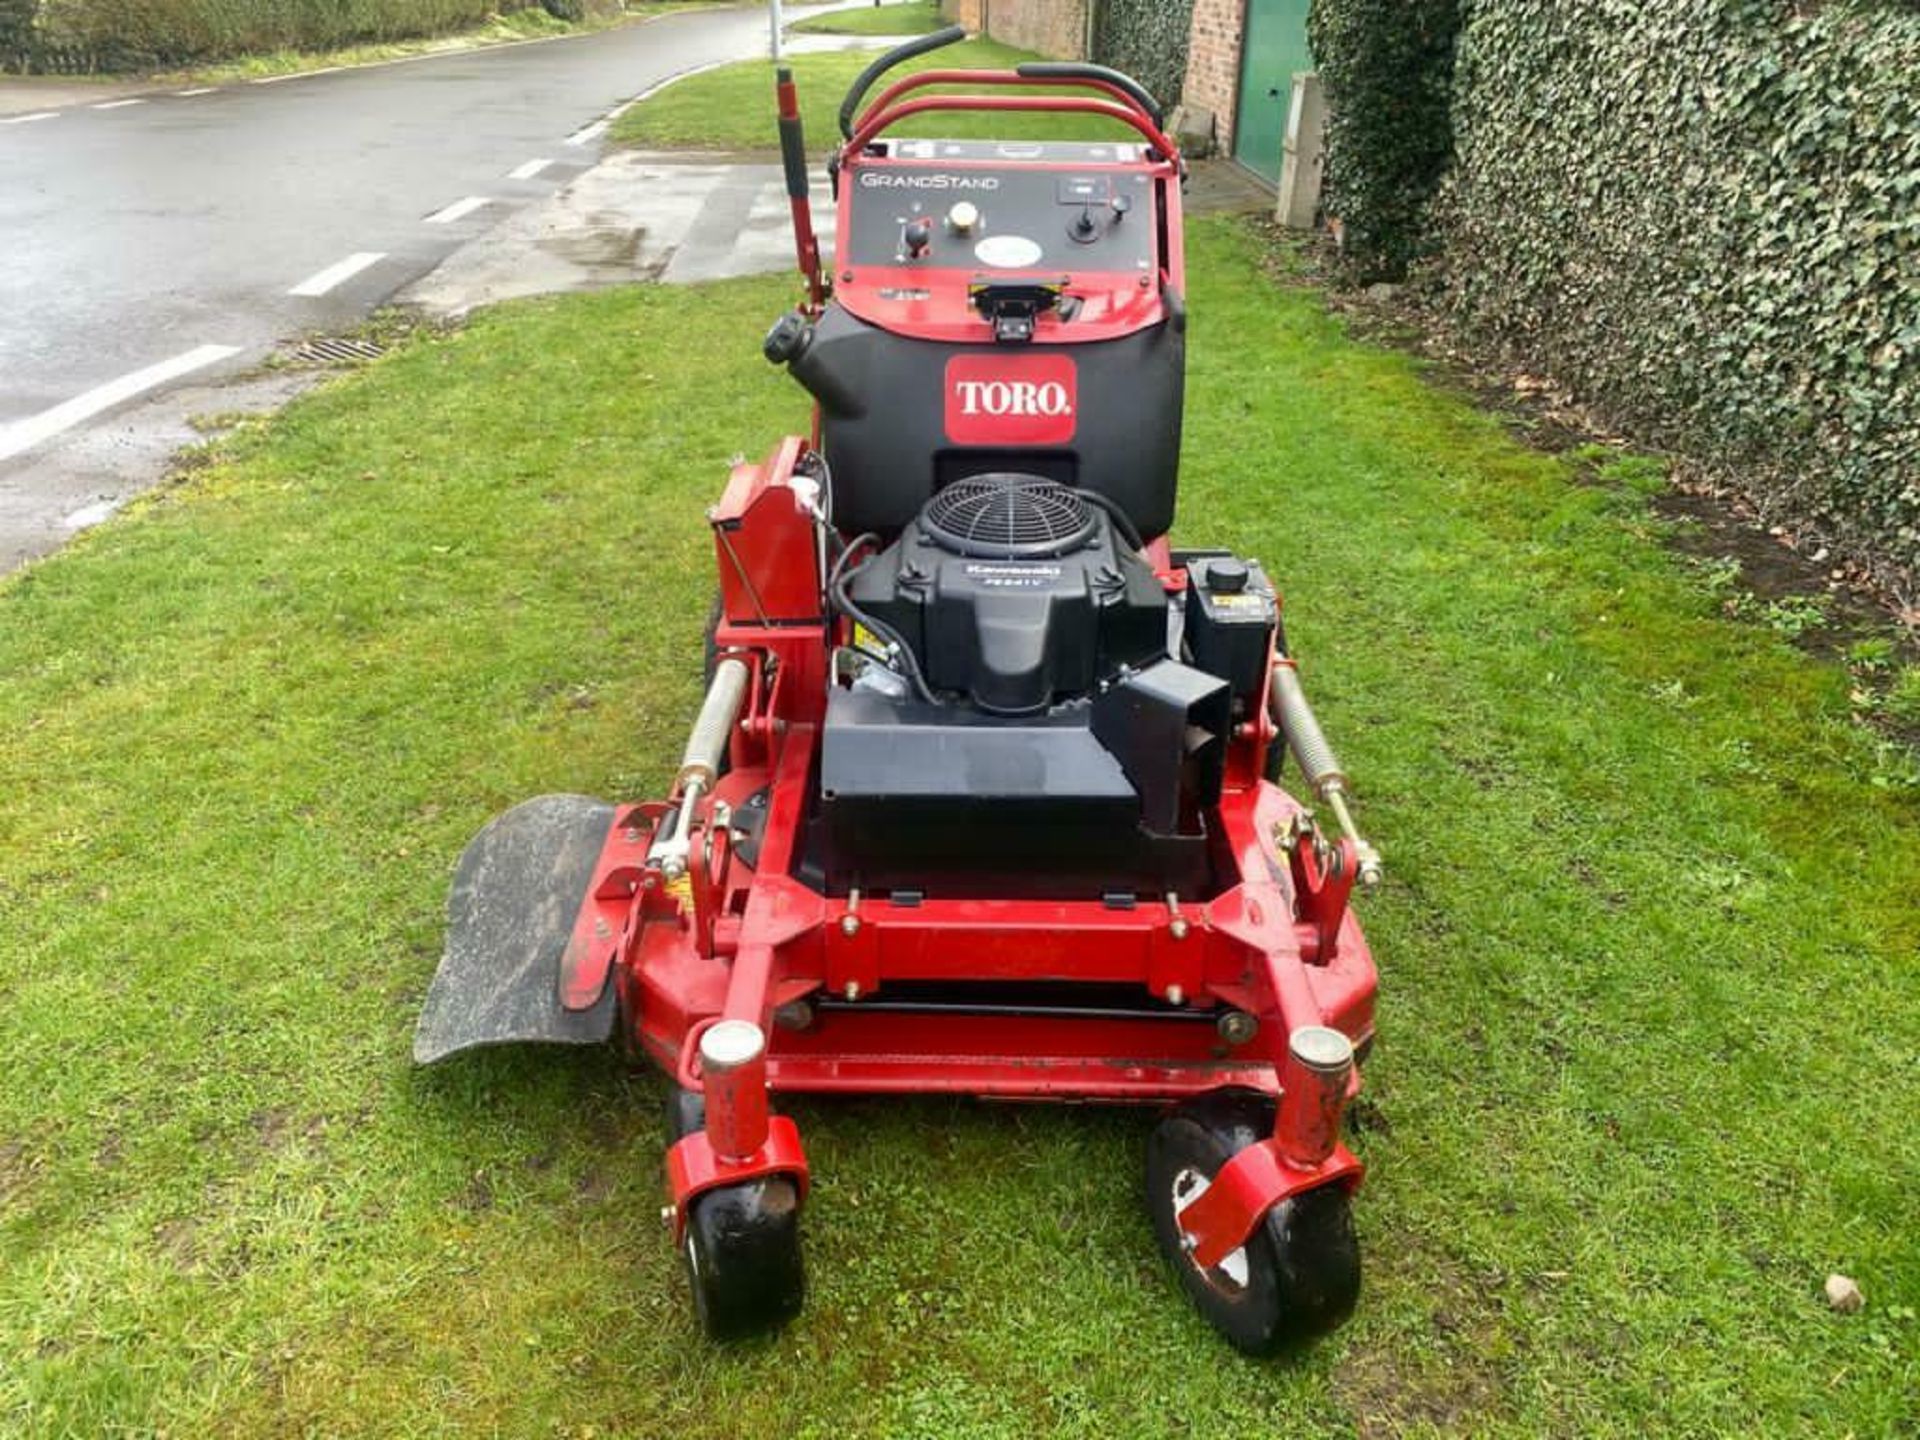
(742, 1246)
(1302, 1261)
(686, 1112)
(742, 1253)
(710, 640)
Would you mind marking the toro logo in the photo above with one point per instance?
(1011, 399)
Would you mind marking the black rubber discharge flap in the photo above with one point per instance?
(516, 894)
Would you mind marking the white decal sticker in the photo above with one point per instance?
(1008, 252)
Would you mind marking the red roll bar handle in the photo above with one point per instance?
(883, 114)
(1130, 94)
(899, 55)
(1074, 71)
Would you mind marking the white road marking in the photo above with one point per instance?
(528, 170)
(335, 276)
(299, 75)
(23, 435)
(29, 119)
(590, 134)
(117, 104)
(203, 90)
(459, 210)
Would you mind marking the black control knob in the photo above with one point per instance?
(787, 338)
(919, 238)
(1083, 230)
(1226, 577)
(1121, 205)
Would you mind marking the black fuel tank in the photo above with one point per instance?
(890, 404)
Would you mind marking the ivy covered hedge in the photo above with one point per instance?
(1147, 39)
(1703, 214)
(1387, 66)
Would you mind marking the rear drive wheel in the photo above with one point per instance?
(1297, 1276)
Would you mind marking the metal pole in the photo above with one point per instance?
(773, 16)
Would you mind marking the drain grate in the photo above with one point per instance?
(332, 350)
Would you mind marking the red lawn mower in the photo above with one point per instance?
(980, 798)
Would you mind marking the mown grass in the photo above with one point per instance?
(1647, 1069)
(731, 108)
(912, 17)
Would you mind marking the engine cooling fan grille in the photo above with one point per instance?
(1007, 517)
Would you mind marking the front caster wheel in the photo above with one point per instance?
(742, 1251)
(1297, 1276)
(742, 1246)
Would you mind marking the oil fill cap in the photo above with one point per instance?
(963, 216)
(1226, 577)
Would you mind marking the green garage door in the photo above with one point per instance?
(1274, 47)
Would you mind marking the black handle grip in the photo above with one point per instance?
(1075, 70)
(898, 55)
(793, 147)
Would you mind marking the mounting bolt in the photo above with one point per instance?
(1237, 1027)
(1178, 929)
(794, 1015)
(849, 925)
(852, 991)
(1175, 995)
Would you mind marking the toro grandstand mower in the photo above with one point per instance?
(979, 797)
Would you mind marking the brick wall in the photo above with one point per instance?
(1057, 28)
(970, 13)
(1213, 62)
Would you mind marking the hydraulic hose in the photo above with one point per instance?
(838, 581)
(1122, 521)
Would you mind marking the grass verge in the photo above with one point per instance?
(731, 108)
(506, 29)
(1648, 1027)
(915, 17)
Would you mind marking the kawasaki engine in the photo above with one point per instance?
(1017, 712)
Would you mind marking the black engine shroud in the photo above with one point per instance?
(1013, 591)
(1072, 750)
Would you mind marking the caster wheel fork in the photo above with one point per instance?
(741, 1245)
(1298, 1274)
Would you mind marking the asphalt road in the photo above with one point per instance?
(174, 238)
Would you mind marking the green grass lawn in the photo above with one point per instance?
(731, 108)
(1648, 949)
(914, 17)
